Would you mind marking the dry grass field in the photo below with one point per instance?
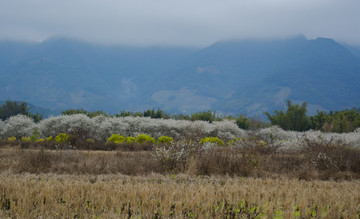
(174, 196)
(141, 182)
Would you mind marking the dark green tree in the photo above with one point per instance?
(204, 116)
(13, 108)
(243, 122)
(84, 112)
(294, 118)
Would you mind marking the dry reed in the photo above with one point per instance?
(175, 196)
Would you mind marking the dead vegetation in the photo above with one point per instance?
(182, 180)
(313, 160)
(174, 196)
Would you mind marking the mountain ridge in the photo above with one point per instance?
(247, 76)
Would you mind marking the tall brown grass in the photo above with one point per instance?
(175, 196)
(248, 180)
(312, 160)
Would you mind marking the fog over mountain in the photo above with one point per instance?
(238, 76)
(179, 22)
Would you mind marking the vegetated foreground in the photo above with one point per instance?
(78, 167)
(176, 196)
(191, 181)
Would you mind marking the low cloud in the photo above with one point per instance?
(175, 22)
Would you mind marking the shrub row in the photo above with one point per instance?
(100, 128)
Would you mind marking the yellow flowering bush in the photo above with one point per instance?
(212, 140)
(25, 139)
(12, 139)
(144, 138)
(116, 138)
(62, 138)
(165, 140)
(130, 139)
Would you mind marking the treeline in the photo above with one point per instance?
(295, 119)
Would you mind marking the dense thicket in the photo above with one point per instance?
(338, 121)
(13, 108)
(295, 119)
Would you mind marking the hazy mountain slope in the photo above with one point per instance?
(63, 73)
(248, 76)
(324, 74)
(353, 49)
(220, 69)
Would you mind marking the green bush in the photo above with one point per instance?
(130, 139)
(338, 121)
(204, 116)
(25, 139)
(12, 139)
(62, 138)
(116, 138)
(49, 138)
(212, 140)
(243, 122)
(35, 135)
(90, 140)
(144, 138)
(165, 140)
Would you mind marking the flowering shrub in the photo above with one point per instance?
(130, 139)
(165, 140)
(80, 126)
(12, 139)
(226, 130)
(174, 157)
(116, 138)
(18, 126)
(40, 140)
(144, 138)
(62, 138)
(49, 138)
(212, 140)
(100, 128)
(25, 139)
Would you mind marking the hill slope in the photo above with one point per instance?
(249, 76)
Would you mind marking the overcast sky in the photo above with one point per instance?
(178, 22)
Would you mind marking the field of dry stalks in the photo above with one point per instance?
(132, 182)
(174, 196)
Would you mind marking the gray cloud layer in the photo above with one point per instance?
(178, 22)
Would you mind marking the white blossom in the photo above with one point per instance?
(18, 126)
(101, 127)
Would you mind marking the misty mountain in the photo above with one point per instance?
(62, 73)
(247, 76)
(353, 49)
